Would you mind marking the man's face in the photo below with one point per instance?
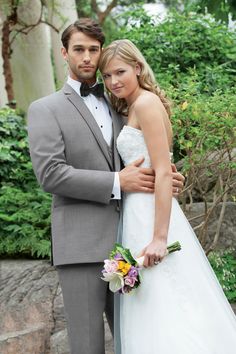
(82, 56)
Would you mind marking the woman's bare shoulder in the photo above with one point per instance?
(147, 102)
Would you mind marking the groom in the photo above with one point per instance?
(72, 135)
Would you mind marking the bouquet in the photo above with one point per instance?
(122, 270)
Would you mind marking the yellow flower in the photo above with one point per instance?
(184, 105)
(124, 267)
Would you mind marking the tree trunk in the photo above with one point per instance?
(62, 16)
(7, 71)
(3, 94)
(31, 58)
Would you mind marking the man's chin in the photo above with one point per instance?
(86, 76)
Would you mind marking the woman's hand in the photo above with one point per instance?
(154, 252)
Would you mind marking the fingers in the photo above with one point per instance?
(178, 178)
(147, 184)
(136, 179)
(138, 162)
(174, 169)
(141, 254)
(150, 261)
(147, 171)
(153, 259)
(177, 184)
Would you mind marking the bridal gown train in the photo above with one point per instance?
(180, 307)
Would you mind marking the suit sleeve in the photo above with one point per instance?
(49, 163)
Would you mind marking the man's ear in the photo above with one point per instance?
(64, 53)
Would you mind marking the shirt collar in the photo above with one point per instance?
(75, 84)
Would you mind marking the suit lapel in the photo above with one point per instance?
(117, 124)
(79, 104)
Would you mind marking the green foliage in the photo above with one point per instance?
(220, 8)
(203, 125)
(24, 208)
(181, 43)
(16, 167)
(24, 222)
(224, 265)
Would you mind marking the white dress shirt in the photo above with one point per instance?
(101, 114)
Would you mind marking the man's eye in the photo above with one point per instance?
(94, 50)
(78, 49)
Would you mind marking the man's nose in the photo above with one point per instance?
(86, 56)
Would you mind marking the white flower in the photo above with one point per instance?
(116, 281)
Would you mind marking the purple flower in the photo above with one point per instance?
(130, 281)
(133, 272)
(110, 266)
(125, 289)
(118, 257)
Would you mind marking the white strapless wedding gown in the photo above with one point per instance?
(180, 307)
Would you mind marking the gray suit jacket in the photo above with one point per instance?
(73, 162)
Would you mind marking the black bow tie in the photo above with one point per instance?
(97, 90)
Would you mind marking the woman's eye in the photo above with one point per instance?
(120, 72)
(105, 76)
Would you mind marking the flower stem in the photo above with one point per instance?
(174, 247)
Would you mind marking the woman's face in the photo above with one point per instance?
(121, 78)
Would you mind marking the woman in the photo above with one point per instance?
(180, 307)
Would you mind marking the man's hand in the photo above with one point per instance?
(134, 178)
(177, 181)
(137, 179)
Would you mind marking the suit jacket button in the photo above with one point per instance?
(112, 196)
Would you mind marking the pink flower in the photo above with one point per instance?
(110, 266)
(130, 281)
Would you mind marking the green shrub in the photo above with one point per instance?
(15, 161)
(184, 41)
(24, 208)
(224, 265)
(203, 124)
(24, 222)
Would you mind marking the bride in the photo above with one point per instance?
(180, 307)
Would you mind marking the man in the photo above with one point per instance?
(72, 136)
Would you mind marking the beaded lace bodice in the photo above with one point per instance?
(131, 146)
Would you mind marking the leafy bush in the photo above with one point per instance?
(224, 265)
(24, 208)
(24, 222)
(16, 166)
(184, 41)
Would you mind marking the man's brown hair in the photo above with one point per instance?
(86, 25)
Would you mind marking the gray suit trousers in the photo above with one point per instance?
(86, 297)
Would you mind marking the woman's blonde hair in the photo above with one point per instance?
(131, 55)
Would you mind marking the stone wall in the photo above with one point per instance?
(31, 310)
